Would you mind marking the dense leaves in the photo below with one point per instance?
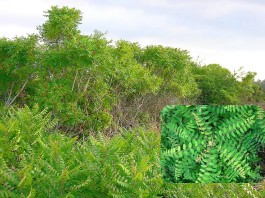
(92, 84)
(37, 161)
(211, 144)
(97, 89)
(61, 25)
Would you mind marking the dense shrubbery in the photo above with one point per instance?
(92, 84)
(36, 161)
(96, 87)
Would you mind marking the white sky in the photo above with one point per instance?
(230, 33)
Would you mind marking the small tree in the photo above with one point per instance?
(61, 25)
(218, 85)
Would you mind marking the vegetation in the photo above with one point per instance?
(36, 161)
(101, 135)
(212, 144)
(261, 83)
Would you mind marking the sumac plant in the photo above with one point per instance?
(210, 144)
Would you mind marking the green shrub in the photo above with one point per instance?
(36, 161)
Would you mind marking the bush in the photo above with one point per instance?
(38, 162)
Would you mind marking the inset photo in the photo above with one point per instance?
(213, 144)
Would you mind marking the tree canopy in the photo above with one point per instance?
(93, 84)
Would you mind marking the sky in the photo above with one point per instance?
(226, 32)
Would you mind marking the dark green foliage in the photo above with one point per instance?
(261, 83)
(250, 91)
(17, 68)
(211, 143)
(219, 86)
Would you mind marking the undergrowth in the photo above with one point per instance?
(37, 161)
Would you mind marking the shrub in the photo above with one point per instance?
(36, 161)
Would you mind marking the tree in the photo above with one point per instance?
(217, 85)
(261, 83)
(92, 84)
(17, 67)
(251, 92)
(61, 25)
(174, 67)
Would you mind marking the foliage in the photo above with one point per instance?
(47, 164)
(61, 25)
(210, 144)
(250, 91)
(17, 67)
(218, 85)
(92, 84)
(174, 67)
(261, 83)
(95, 86)
(36, 161)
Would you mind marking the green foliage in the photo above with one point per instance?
(17, 67)
(92, 84)
(210, 144)
(218, 85)
(251, 91)
(261, 83)
(73, 86)
(61, 25)
(129, 75)
(36, 161)
(220, 190)
(95, 86)
(125, 166)
(174, 66)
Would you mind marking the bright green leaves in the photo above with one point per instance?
(17, 68)
(210, 143)
(132, 77)
(61, 25)
(51, 164)
(218, 85)
(173, 66)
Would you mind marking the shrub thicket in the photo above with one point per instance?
(36, 161)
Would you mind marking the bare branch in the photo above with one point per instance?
(9, 95)
(74, 81)
(20, 91)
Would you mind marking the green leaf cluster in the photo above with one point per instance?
(211, 144)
